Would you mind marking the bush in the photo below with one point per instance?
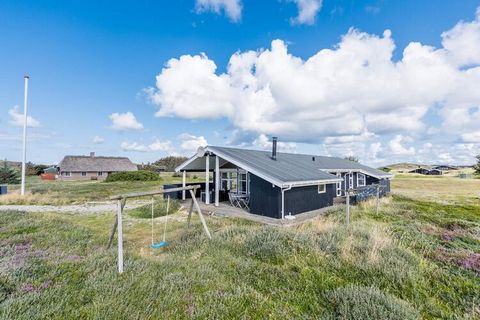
(140, 175)
(9, 175)
(357, 302)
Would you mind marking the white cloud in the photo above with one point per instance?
(263, 142)
(473, 137)
(16, 118)
(231, 8)
(191, 143)
(157, 145)
(307, 10)
(125, 121)
(397, 148)
(349, 94)
(98, 140)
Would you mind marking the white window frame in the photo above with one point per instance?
(339, 185)
(324, 188)
(228, 179)
(83, 173)
(364, 180)
(239, 182)
(350, 180)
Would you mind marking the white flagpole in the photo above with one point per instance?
(25, 106)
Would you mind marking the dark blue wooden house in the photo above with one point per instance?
(279, 184)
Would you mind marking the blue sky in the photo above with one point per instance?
(93, 69)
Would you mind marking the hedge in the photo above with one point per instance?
(140, 175)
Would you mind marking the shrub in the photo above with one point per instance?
(159, 209)
(8, 175)
(269, 245)
(140, 175)
(357, 302)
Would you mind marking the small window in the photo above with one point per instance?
(321, 188)
(100, 173)
(361, 180)
(67, 173)
(84, 174)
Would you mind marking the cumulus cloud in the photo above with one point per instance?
(263, 142)
(352, 93)
(98, 140)
(156, 146)
(16, 118)
(307, 11)
(231, 8)
(190, 143)
(125, 121)
(397, 146)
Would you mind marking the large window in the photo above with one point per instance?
(361, 181)
(226, 181)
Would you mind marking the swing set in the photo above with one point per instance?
(118, 224)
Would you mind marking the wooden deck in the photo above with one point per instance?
(224, 209)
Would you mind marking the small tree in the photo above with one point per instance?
(477, 166)
(8, 175)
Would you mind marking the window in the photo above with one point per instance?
(361, 181)
(67, 173)
(100, 173)
(321, 188)
(84, 174)
(350, 180)
(339, 185)
(226, 181)
(242, 183)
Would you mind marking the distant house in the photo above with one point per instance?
(428, 172)
(279, 184)
(444, 167)
(420, 171)
(92, 167)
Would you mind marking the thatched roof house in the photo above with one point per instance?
(92, 167)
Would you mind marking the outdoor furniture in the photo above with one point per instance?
(239, 200)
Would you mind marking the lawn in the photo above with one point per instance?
(415, 258)
(68, 192)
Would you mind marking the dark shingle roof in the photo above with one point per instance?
(88, 163)
(290, 167)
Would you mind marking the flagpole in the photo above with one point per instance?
(25, 107)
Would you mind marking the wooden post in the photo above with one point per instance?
(378, 198)
(207, 179)
(114, 227)
(120, 236)
(202, 219)
(217, 181)
(190, 213)
(184, 182)
(347, 214)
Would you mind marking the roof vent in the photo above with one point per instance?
(313, 158)
(274, 148)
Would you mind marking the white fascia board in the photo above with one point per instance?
(311, 182)
(387, 176)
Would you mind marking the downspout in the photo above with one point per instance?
(283, 200)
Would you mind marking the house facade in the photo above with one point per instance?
(92, 167)
(279, 184)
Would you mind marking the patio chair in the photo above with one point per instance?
(234, 201)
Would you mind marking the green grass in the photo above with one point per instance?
(67, 192)
(159, 209)
(412, 259)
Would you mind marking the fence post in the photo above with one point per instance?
(378, 198)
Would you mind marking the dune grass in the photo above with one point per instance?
(414, 259)
(69, 192)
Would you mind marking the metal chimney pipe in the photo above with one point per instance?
(274, 148)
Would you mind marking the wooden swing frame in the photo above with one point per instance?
(122, 199)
